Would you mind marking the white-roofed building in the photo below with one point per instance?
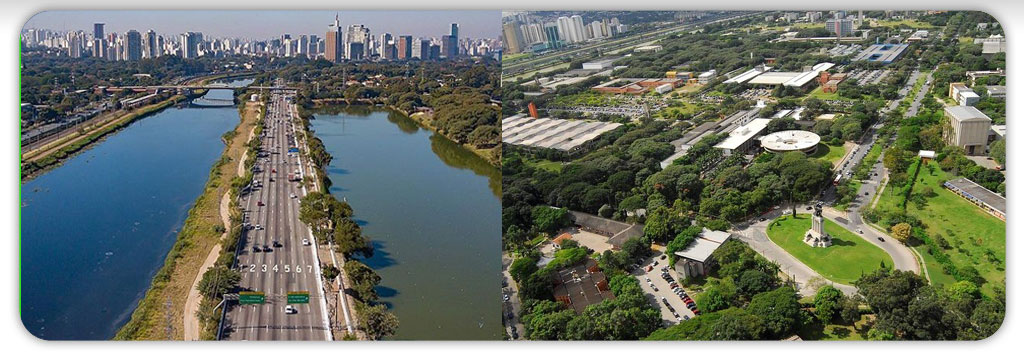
(695, 260)
(551, 133)
(791, 141)
(743, 137)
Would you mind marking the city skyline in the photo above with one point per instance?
(270, 24)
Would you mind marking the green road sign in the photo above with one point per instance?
(298, 297)
(251, 298)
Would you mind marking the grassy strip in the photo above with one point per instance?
(38, 164)
(202, 230)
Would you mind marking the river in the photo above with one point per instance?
(433, 211)
(95, 230)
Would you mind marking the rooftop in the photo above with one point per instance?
(702, 247)
(743, 134)
(966, 114)
(885, 53)
(791, 140)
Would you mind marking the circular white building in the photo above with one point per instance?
(791, 141)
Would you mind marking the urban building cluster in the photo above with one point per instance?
(352, 42)
(525, 32)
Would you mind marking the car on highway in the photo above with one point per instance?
(861, 231)
(305, 242)
(881, 239)
(256, 249)
(260, 203)
(289, 309)
(293, 196)
(277, 244)
(266, 248)
(257, 227)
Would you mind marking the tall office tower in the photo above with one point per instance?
(382, 45)
(435, 52)
(578, 28)
(513, 37)
(536, 32)
(356, 34)
(404, 47)
(287, 45)
(98, 45)
(448, 46)
(133, 45)
(333, 48)
(190, 44)
(597, 30)
(76, 42)
(551, 36)
(564, 29)
(356, 51)
(302, 47)
(455, 30)
(311, 46)
(424, 50)
(150, 47)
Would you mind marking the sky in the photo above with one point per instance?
(272, 24)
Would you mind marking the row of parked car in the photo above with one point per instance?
(690, 304)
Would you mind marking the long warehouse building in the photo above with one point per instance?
(551, 133)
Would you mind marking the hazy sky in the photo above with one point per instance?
(271, 24)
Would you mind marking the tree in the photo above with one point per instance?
(377, 322)
(997, 150)
(218, 280)
(901, 231)
(550, 220)
(779, 311)
(550, 326)
(737, 324)
(522, 268)
(827, 303)
(753, 282)
(362, 280)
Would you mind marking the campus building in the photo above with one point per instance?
(963, 95)
(635, 86)
(791, 141)
(695, 260)
(743, 137)
(882, 53)
(966, 127)
(550, 133)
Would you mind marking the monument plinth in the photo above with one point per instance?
(816, 236)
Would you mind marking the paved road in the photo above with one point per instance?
(286, 267)
(512, 305)
(802, 275)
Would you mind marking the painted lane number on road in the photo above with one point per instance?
(276, 268)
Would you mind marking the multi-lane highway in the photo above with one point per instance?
(277, 254)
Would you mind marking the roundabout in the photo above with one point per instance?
(847, 258)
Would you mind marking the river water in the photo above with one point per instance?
(433, 211)
(95, 230)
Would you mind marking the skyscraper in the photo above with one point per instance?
(99, 46)
(404, 47)
(190, 44)
(578, 30)
(333, 48)
(151, 47)
(424, 52)
(133, 45)
(356, 34)
(565, 30)
(513, 37)
(551, 36)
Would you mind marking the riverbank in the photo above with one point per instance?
(491, 155)
(51, 155)
(160, 313)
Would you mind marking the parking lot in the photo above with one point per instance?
(664, 290)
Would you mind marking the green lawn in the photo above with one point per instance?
(830, 153)
(814, 330)
(908, 23)
(552, 166)
(821, 95)
(976, 237)
(844, 262)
